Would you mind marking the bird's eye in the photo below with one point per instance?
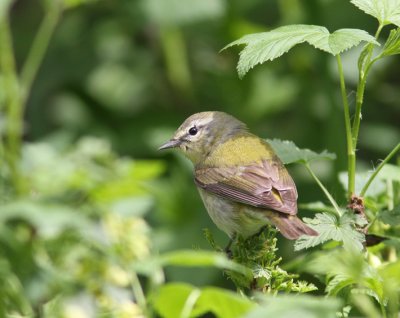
(193, 131)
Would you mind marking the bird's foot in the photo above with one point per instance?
(227, 249)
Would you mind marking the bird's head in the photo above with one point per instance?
(201, 132)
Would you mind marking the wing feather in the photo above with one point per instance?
(266, 184)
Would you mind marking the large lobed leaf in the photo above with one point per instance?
(266, 46)
(288, 152)
(332, 227)
(183, 300)
(386, 11)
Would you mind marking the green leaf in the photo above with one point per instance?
(288, 152)
(338, 282)
(368, 280)
(392, 45)
(390, 172)
(299, 306)
(386, 11)
(183, 300)
(377, 186)
(222, 303)
(170, 299)
(191, 258)
(347, 270)
(267, 46)
(332, 227)
(344, 39)
(391, 217)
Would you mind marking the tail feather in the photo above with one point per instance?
(291, 226)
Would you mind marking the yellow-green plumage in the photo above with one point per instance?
(242, 183)
(241, 148)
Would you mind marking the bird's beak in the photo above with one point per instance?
(170, 144)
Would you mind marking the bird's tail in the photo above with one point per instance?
(291, 226)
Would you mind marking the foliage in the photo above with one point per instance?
(262, 47)
(299, 306)
(258, 253)
(330, 227)
(385, 11)
(289, 153)
(87, 231)
(188, 301)
(350, 226)
(68, 233)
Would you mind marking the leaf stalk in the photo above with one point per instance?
(381, 165)
(351, 154)
(326, 192)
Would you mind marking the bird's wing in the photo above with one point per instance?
(264, 185)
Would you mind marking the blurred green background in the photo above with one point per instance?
(128, 72)
(131, 71)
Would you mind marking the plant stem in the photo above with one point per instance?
(328, 195)
(381, 165)
(363, 73)
(17, 90)
(13, 103)
(351, 155)
(38, 49)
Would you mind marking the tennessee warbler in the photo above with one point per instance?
(242, 182)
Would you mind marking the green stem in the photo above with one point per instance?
(381, 165)
(363, 73)
(359, 100)
(351, 155)
(39, 48)
(328, 195)
(17, 90)
(13, 103)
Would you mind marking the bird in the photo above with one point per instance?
(243, 184)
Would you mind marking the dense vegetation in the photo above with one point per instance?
(94, 222)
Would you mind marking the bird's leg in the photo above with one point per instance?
(227, 249)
